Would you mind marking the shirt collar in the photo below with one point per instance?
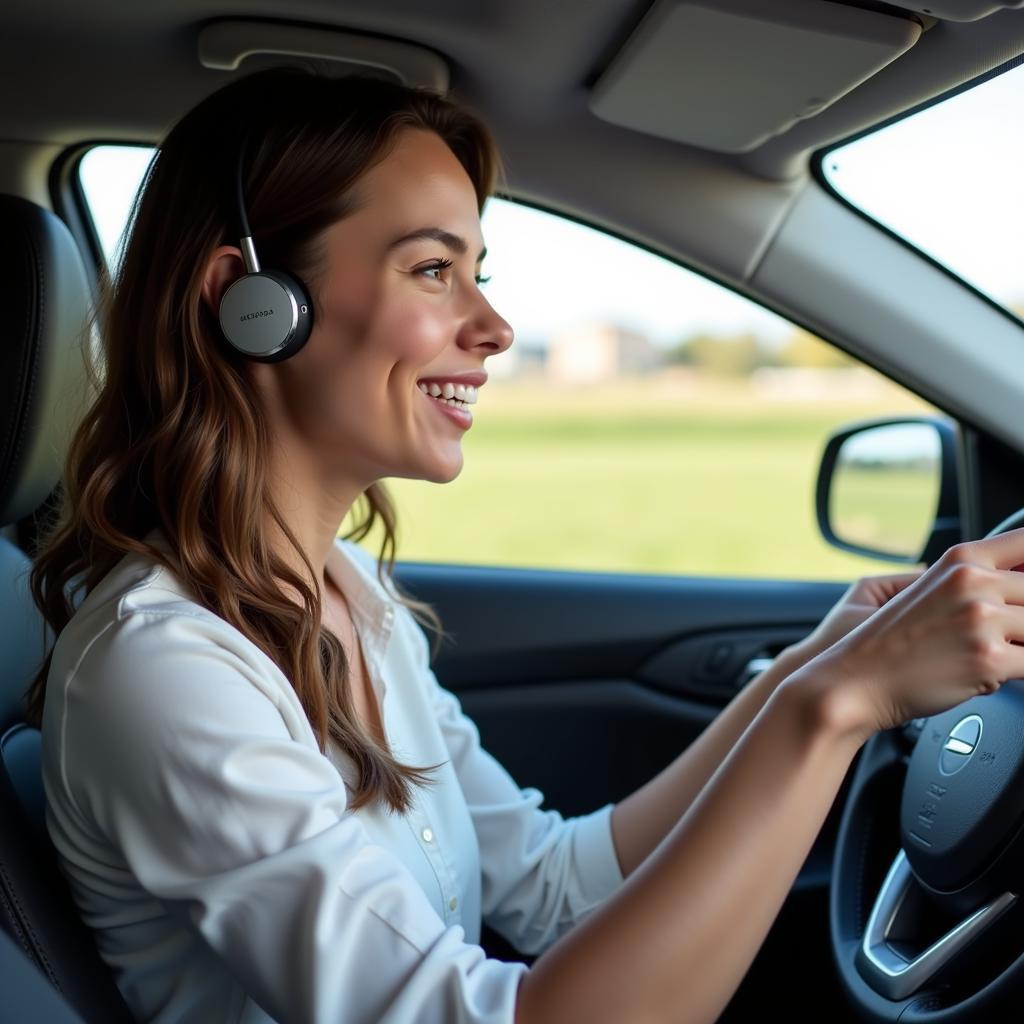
(370, 604)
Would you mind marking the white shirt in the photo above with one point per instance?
(210, 846)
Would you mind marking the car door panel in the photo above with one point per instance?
(585, 685)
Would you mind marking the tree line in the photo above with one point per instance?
(740, 354)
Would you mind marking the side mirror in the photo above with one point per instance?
(888, 489)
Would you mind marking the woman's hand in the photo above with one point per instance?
(953, 633)
(860, 602)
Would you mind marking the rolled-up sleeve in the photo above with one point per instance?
(541, 872)
(203, 777)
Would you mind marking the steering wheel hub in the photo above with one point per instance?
(963, 800)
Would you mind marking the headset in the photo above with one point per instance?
(266, 315)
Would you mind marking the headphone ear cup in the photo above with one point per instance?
(266, 316)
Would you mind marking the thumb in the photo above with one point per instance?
(880, 589)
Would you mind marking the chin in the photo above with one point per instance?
(445, 473)
(447, 478)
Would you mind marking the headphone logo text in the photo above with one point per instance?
(255, 316)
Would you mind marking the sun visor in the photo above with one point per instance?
(728, 74)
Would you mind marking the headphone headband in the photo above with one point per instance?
(265, 315)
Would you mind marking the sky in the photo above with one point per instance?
(945, 178)
(949, 179)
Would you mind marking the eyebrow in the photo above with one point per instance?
(446, 238)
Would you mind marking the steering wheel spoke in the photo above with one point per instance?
(884, 958)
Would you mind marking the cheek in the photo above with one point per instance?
(409, 331)
(372, 321)
(322, 380)
(368, 344)
(345, 315)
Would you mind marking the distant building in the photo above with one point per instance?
(814, 384)
(595, 352)
(522, 359)
(532, 360)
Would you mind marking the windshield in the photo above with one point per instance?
(947, 180)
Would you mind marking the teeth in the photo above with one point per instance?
(465, 393)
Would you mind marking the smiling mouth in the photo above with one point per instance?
(442, 396)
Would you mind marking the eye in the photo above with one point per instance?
(437, 266)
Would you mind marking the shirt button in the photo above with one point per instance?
(428, 836)
(453, 903)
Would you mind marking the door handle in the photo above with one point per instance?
(753, 668)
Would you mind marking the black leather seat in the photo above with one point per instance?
(45, 297)
(27, 994)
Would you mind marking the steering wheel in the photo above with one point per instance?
(926, 907)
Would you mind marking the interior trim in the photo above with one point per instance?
(223, 45)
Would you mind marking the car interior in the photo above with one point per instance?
(693, 129)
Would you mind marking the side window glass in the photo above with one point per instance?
(110, 177)
(645, 419)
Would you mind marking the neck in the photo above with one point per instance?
(314, 511)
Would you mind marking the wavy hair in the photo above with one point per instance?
(173, 437)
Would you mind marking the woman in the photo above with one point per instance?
(265, 803)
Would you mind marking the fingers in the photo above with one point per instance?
(994, 636)
(877, 590)
(890, 586)
(967, 581)
(990, 649)
(1005, 551)
(896, 581)
(1013, 625)
(1010, 659)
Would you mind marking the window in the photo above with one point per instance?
(644, 420)
(945, 180)
(110, 177)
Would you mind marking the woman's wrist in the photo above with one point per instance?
(831, 698)
(798, 654)
(789, 660)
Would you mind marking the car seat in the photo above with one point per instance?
(44, 291)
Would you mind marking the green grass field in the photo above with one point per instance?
(640, 477)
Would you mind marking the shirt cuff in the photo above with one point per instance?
(597, 864)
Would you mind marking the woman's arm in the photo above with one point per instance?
(675, 941)
(644, 818)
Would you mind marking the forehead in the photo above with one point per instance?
(419, 183)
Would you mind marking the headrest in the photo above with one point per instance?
(45, 297)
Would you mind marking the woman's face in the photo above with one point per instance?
(397, 302)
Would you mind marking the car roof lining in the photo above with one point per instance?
(50, 42)
(721, 207)
(716, 212)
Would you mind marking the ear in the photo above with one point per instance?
(224, 267)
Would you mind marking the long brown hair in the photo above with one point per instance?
(174, 437)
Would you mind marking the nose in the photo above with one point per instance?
(484, 328)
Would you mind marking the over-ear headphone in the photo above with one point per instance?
(266, 315)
